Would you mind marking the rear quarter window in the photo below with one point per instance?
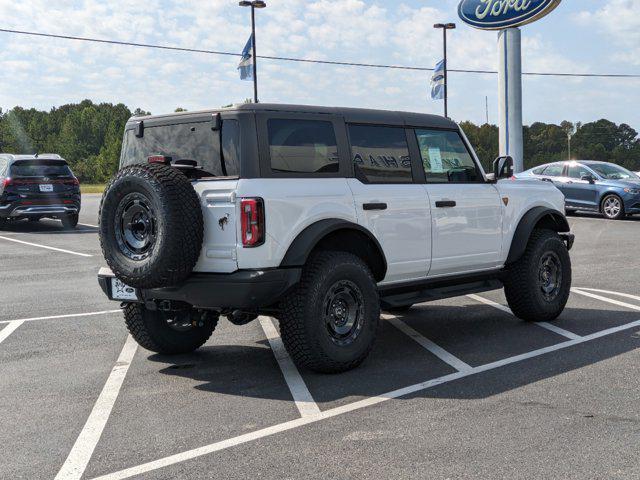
(302, 146)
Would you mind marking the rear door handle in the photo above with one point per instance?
(445, 204)
(374, 206)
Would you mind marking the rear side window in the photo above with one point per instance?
(3, 167)
(380, 154)
(302, 146)
(445, 157)
(189, 141)
(40, 168)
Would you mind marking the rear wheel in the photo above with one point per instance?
(169, 333)
(537, 287)
(330, 321)
(70, 221)
(612, 207)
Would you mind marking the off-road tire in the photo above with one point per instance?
(621, 214)
(152, 332)
(302, 324)
(178, 226)
(521, 286)
(70, 222)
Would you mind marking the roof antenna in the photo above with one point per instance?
(36, 155)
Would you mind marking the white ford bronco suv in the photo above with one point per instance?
(318, 217)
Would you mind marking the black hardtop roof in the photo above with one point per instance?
(351, 115)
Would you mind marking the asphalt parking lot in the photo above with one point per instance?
(454, 389)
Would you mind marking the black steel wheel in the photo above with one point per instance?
(151, 226)
(329, 323)
(538, 285)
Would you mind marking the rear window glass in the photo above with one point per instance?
(302, 146)
(381, 154)
(40, 168)
(189, 141)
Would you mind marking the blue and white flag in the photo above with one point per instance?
(246, 63)
(437, 82)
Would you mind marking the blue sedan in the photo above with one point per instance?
(592, 186)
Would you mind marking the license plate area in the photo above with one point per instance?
(120, 291)
(46, 188)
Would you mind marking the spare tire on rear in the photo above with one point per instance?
(151, 226)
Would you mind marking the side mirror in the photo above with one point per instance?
(588, 178)
(503, 168)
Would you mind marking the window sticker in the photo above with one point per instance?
(436, 160)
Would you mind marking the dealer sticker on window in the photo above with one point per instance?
(120, 291)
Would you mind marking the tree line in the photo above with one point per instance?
(89, 137)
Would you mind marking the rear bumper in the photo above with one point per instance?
(16, 210)
(244, 289)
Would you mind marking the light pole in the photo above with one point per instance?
(569, 139)
(445, 27)
(254, 4)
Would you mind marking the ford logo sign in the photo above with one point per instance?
(500, 14)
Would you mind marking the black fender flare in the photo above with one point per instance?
(552, 219)
(310, 237)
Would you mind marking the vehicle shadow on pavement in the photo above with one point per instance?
(472, 334)
(243, 371)
(46, 228)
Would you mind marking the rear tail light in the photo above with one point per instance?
(7, 182)
(252, 221)
(159, 159)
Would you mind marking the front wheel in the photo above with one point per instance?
(537, 287)
(612, 207)
(329, 323)
(169, 333)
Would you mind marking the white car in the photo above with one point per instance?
(319, 217)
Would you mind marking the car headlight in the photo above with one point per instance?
(633, 191)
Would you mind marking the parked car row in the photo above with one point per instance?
(592, 186)
(38, 186)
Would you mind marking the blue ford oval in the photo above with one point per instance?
(500, 14)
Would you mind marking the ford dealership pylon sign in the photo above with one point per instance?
(501, 14)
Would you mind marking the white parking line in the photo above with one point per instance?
(88, 225)
(301, 395)
(85, 444)
(56, 317)
(552, 328)
(580, 291)
(437, 350)
(9, 329)
(609, 292)
(46, 247)
(367, 402)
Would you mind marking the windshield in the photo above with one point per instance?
(613, 172)
(40, 168)
(188, 141)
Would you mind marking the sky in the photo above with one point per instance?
(590, 36)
